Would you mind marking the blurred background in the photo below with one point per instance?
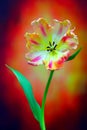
(66, 104)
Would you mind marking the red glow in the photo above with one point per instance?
(67, 93)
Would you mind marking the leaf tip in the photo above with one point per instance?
(75, 54)
(7, 66)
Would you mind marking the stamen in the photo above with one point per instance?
(50, 43)
(55, 47)
(52, 46)
(48, 47)
(53, 43)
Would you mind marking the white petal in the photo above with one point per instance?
(36, 58)
(60, 29)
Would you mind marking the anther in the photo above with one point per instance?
(53, 43)
(51, 47)
(55, 47)
(48, 47)
(50, 43)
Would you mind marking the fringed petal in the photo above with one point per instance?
(36, 58)
(70, 40)
(33, 41)
(60, 29)
(56, 60)
(42, 27)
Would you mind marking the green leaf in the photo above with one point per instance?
(26, 86)
(74, 55)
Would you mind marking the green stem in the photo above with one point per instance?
(44, 100)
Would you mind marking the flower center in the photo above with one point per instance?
(52, 46)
